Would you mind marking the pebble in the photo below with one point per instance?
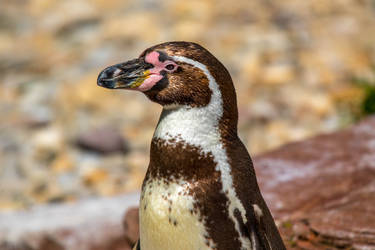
(103, 140)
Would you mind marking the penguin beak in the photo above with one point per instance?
(127, 75)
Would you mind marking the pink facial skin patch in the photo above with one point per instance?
(149, 82)
(153, 58)
(154, 75)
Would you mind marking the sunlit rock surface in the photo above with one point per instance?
(86, 225)
(322, 190)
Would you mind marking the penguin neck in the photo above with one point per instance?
(187, 145)
(191, 126)
(202, 127)
(205, 131)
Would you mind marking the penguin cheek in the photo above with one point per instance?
(149, 83)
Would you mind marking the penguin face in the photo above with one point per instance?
(166, 74)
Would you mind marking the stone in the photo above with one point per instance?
(326, 182)
(103, 140)
(10, 246)
(93, 224)
(48, 243)
(131, 225)
(278, 74)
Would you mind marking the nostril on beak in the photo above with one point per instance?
(116, 72)
(111, 72)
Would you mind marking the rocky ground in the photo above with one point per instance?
(321, 192)
(62, 138)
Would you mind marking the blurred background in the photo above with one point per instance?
(300, 68)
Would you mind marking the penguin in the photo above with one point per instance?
(200, 190)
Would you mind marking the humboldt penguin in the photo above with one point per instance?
(200, 190)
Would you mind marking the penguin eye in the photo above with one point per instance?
(170, 67)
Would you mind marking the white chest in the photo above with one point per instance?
(167, 220)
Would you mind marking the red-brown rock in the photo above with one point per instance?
(327, 183)
(131, 225)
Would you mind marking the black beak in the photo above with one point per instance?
(124, 75)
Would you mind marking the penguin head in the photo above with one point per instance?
(172, 74)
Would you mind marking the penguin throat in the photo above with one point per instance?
(198, 126)
(188, 125)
